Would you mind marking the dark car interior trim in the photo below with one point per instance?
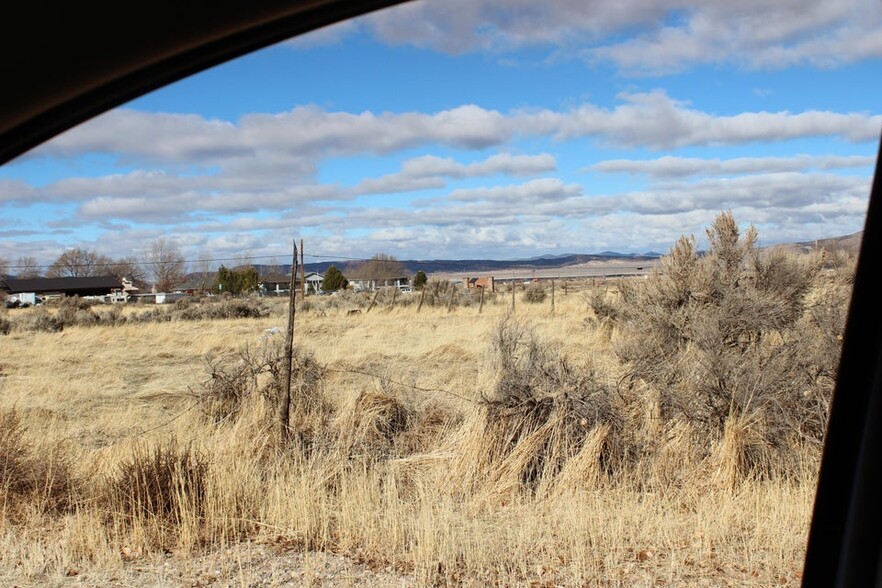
(65, 63)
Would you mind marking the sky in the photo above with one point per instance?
(474, 129)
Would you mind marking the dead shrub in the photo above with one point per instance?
(75, 315)
(40, 320)
(534, 294)
(368, 425)
(163, 486)
(31, 478)
(232, 308)
(257, 370)
(539, 416)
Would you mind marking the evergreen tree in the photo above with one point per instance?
(334, 280)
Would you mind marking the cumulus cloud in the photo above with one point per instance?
(678, 167)
(291, 143)
(642, 37)
(429, 171)
(536, 191)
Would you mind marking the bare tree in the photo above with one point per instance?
(4, 266)
(201, 267)
(27, 267)
(244, 260)
(78, 263)
(125, 267)
(165, 263)
(381, 268)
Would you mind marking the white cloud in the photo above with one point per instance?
(533, 192)
(429, 171)
(676, 167)
(290, 144)
(643, 37)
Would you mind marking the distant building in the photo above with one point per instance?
(56, 287)
(487, 283)
(362, 285)
(314, 282)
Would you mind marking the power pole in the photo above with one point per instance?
(285, 400)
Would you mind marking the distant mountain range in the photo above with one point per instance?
(850, 243)
(467, 266)
(473, 266)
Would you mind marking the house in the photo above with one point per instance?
(487, 283)
(314, 282)
(362, 285)
(57, 287)
(274, 284)
(278, 284)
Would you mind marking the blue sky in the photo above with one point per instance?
(469, 128)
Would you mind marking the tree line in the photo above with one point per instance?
(164, 266)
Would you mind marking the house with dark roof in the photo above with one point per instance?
(49, 287)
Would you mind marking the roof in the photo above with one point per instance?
(14, 286)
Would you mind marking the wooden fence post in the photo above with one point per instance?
(302, 272)
(422, 297)
(373, 301)
(450, 300)
(285, 400)
(481, 306)
(552, 295)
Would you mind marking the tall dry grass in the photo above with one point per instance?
(456, 447)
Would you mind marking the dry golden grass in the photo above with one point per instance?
(379, 478)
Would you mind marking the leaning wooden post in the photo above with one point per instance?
(450, 300)
(481, 306)
(552, 295)
(422, 297)
(285, 401)
(394, 294)
(373, 301)
(512, 294)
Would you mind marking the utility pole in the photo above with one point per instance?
(285, 400)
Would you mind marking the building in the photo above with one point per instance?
(363, 285)
(487, 283)
(314, 282)
(57, 287)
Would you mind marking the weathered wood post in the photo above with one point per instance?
(285, 400)
(481, 305)
(302, 272)
(373, 301)
(450, 300)
(552, 295)
(422, 297)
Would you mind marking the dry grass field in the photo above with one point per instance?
(430, 448)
